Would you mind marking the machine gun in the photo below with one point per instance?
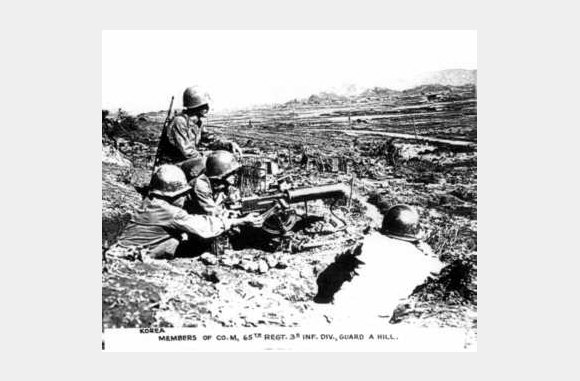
(278, 216)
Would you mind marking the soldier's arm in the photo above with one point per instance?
(209, 140)
(204, 195)
(200, 225)
(178, 136)
(210, 226)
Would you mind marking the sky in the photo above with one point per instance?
(141, 70)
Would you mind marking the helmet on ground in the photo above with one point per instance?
(401, 222)
(192, 98)
(220, 164)
(169, 181)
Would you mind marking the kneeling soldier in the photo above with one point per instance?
(213, 184)
(185, 135)
(156, 228)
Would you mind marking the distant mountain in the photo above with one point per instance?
(449, 77)
(428, 89)
(433, 82)
(378, 92)
(324, 97)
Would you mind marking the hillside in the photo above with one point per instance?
(417, 147)
(450, 77)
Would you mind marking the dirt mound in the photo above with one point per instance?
(111, 155)
(119, 199)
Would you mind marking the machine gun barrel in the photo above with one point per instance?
(259, 204)
(316, 193)
(292, 196)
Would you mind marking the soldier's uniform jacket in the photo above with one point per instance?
(182, 139)
(202, 200)
(157, 221)
(388, 272)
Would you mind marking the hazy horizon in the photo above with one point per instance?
(141, 70)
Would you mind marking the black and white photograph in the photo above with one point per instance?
(289, 190)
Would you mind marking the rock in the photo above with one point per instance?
(245, 264)
(262, 266)
(255, 283)
(253, 267)
(210, 276)
(209, 259)
(282, 263)
(249, 266)
(230, 261)
(272, 261)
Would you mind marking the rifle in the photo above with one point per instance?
(279, 218)
(163, 131)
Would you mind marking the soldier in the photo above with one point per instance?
(157, 228)
(391, 152)
(387, 267)
(212, 184)
(304, 159)
(185, 134)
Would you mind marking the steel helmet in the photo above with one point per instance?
(169, 181)
(192, 98)
(220, 164)
(193, 167)
(401, 222)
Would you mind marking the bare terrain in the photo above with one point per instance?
(323, 139)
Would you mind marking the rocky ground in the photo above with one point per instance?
(259, 282)
(255, 282)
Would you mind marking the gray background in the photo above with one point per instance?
(527, 167)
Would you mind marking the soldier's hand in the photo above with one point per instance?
(252, 219)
